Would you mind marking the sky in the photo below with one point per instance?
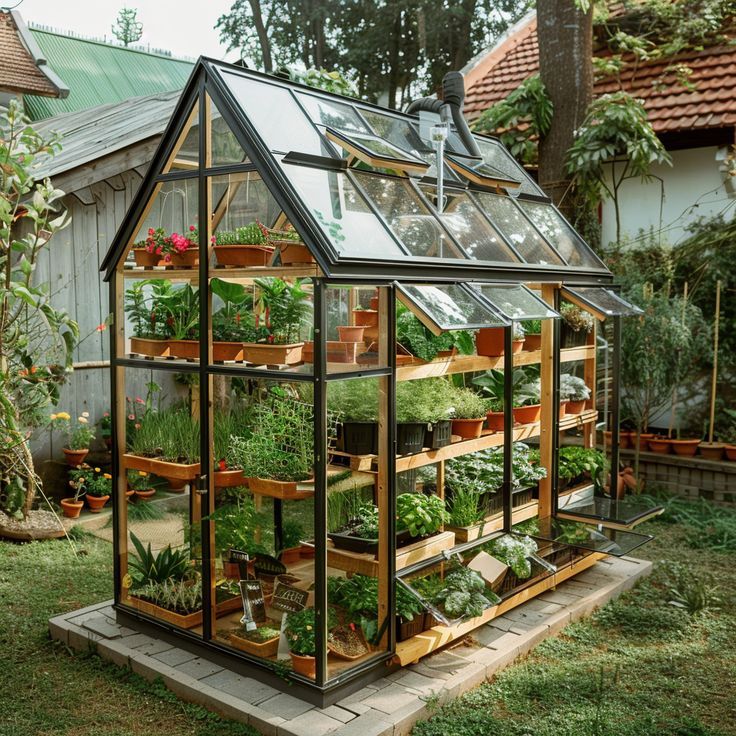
(183, 27)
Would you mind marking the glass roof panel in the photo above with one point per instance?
(375, 151)
(332, 113)
(495, 155)
(448, 306)
(408, 216)
(470, 228)
(605, 301)
(507, 217)
(274, 112)
(481, 172)
(586, 536)
(515, 301)
(558, 231)
(343, 215)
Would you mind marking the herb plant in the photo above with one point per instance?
(513, 550)
(252, 234)
(419, 341)
(464, 594)
(354, 400)
(427, 400)
(466, 404)
(420, 514)
(300, 631)
(573, 388)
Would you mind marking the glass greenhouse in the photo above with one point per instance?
(359, 351)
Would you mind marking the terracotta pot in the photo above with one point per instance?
(625, 442)
(71, 508)
(75, 458)
(644, 438)
(489, 341)
(352, 333)
(303, 665)
(495, 420)
(184, 349)
(145, 495)
(527, 414)
(468, 429)
(96, 503)
(176, 485)
(365, 317)
(730, 451)
(229, 478)
(188, 259)
(145, 259)
(129, 493)
(685, 448)
(260, 353)
(149, 347)
(712, 450)
(290, 556)
(294, 253)
(660, 445)
(243, 255)
(374, 302)
(576, 407)
(222, 351)
(532, 341)
(563, 409)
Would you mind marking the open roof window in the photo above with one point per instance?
(481, 173)
(442, 307)
(495, 155)
(602, 302)
(376, 152)
(333, 114)
(514, 301)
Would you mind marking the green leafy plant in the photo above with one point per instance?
(420, 514)
(466, 404)
(524, 384)
(293, 533)
(427, 400)
(166, 564)
(251, 234)
(170, 434)
(464, 594)
(465, 507)
(513, 550)
(420, 341)
(237, 523)
(300, 630)
(139, 480)
(573, 388)
(533, 326)
(234, 320)
(354, 400)
(282, 308)
(93, 481)
(179, 309)
(576, 461)
(180, 596)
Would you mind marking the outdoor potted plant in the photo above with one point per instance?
(427, 401)
(96, 484)
(72, 506)
(660, 445)
(414, 412)
(79, 436)
(300, 631)
(421, 514)
(574, 391)
(424, 344)
(532, 334)
(245, 246)
(577, 324)
(356, 403)
(490, 340)
(281, 310)
(515, 551)
(712, 450)
(410, 613)
(292, 532)
(139, 484)
(233, 324)
(292, 250)
(171, 250)
(468, 413)
(529, 396)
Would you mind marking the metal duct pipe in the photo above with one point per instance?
(453, 93)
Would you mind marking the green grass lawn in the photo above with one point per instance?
(641, 666)
(45, 689)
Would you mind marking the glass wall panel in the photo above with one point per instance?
(558, 231)
(506, 216)
(470, 228)
(263, 515)
(277, 117)
(606, 301)
(186, 156)
(409, 217)
(343, 215)
(224, 146)
(159, 521)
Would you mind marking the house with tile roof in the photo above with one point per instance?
(696, 124)
(99, 73)
(24, 70)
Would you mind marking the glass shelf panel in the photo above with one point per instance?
(586, 536)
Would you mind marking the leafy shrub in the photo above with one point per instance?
(420, 514)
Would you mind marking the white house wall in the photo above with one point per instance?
(693, 186)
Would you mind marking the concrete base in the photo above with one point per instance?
(386, 707)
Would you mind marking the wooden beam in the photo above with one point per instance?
(385, 543)
(547, 430)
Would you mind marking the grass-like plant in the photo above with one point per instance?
(170, 434)
(466, 404)
(427, 400)
(354, 400)
(157, 567)
(178, 596)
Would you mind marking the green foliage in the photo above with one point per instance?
(300, 630)
(92, 481)
(426, 400)
(573, 388)
(284, 308)
(520, 119)
(525, 385)
(533, 326)
(234, 320)
(354, 400)
(127, 28)
(420, 514)
(166, 564)
(322, 79)
(79, 433)
(368, 522)
(465, 507)
(252, 234)
(464, 594)
(466, 404)
(575, 461)
(293, 533)
(423, 343)
(237, 523)
(514, 551)
(171, 434)
(180, 596)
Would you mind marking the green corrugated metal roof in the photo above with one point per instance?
(98, 73)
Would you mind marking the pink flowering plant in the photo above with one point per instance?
(159, 243)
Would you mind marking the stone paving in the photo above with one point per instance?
(389, 706)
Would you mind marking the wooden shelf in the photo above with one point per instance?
(366, 563)
(412, 650)
(474, 363)
(230, 274)
(494, 523)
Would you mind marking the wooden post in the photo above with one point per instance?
(590, 374)
(714, 377)
(546, 430)
(385, 544)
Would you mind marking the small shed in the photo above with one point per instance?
(350, 290)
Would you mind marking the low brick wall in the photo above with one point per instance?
(687, 476)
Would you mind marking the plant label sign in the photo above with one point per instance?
(289, 599)
(242, 558)
(254, 606)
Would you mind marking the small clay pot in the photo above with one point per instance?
(177, 485)
(365, 317)
(145, 495)
(468, 429)
(374, 302)
(563, 409)
(712, 450)
(578, 407)
(145, 259)
(660, 445)
(685, 448)
(532, 341)
(495, 420)
(527, 414)
(188, 259)
(96, 503)
(730, 452)
(75, 458)
(644, 438)
(351, 333)
(71, 508)
(489, 341)
(304, 665)
(129, 493)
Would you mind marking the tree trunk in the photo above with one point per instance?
(263, 39)
(565, 37)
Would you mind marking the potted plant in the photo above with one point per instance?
(355, 401)
(529, 397)
(429, 402)
(409, 614)
(574, 391)
(281, 310)
(414, 412)
(492, 385)
(292, 533)
(659, 445)
(245, 246)
(263, 641)
(468, 413)
(351, 333)
(72, 506)
(300, 635)
(96, 484)
(139, 484)
(150, 332)
(424, 344)
(291, 249)
(490, 340)
(179, 308)
(106, 429)
(177, 250)
(515, 551)
(532, 334)
(360, 532)
(577, 324)
(79, 436)
(712, 450)
(464, 595)
(233, 323)
(422, 515)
